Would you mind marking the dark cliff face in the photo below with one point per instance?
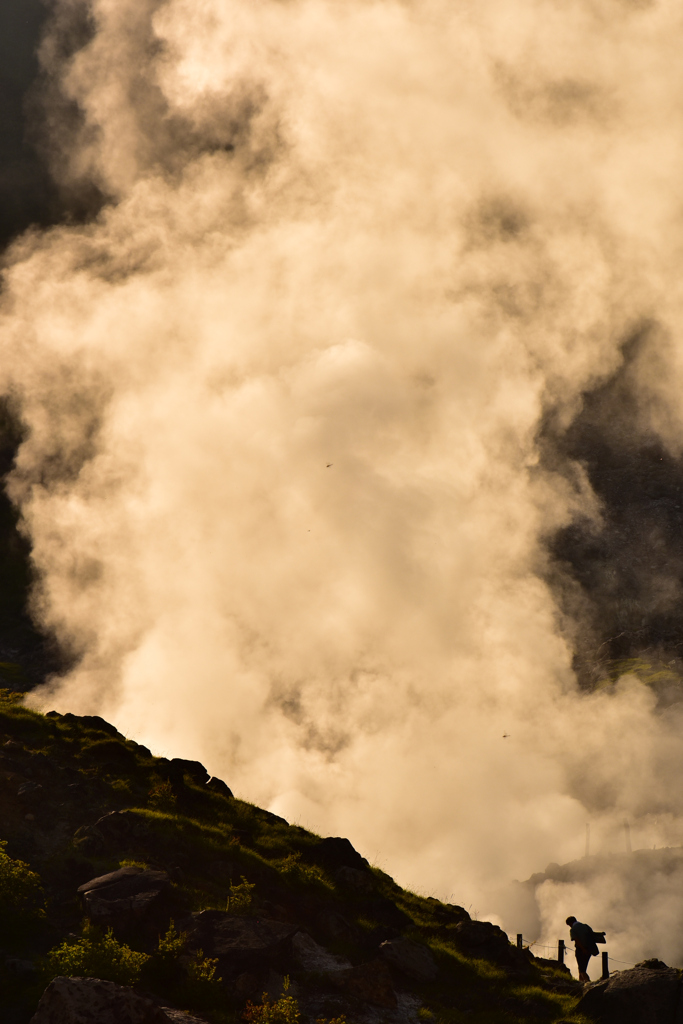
(27, 655)
(618, 577)
(28, 194)
(28, 197)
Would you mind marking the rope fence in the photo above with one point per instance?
(557, 953)
(527, 944)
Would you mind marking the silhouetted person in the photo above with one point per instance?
(584, 945)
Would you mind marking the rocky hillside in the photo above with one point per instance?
(148, 875)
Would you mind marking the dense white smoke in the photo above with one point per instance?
(282, 397)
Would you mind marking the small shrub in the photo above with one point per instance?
(201, 969)
(97, 956)
(290, 864)
(192, 980)
(201, 989)
(22, 899)
(163, 970)
(172, 944)
(161, 796)
(240, 896)
(293, 868)
(8, 698)
(284, 1010)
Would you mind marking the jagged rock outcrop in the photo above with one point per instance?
(335, 852)
(215, 785)
(195, 769)
(88, 721)
(649, 993)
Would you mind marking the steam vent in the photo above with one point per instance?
(341, 512)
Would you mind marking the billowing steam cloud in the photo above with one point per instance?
(299, 472)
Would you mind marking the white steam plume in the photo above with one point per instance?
(282, 396)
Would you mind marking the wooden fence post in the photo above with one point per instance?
(520, 944)
(605, 965)
(560, 951)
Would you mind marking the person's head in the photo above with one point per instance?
(570, 921)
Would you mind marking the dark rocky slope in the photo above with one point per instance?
(126, 841)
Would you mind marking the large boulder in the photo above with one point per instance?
(335, 926)
(195, 769)
(409, 958)
(92, 1001)
(177, 768)
(239, 943)
(650, 993)
(448, 913)
(119, 826)
(313, 957)
(114, 830)
(125, 898)
(368, 983)
(485, 941)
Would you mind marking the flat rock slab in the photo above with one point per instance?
(124, 883)
(639, 996)
(92, 1001)
(123, 897)
(109, 879)
(181, 1017)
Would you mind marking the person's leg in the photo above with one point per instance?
(582, 959)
